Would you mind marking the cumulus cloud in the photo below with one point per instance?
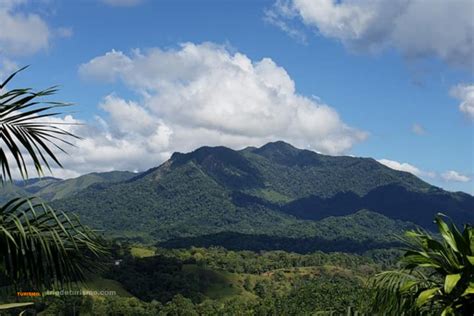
(417, 28)
(220, 96)
(465, 93)
(199, 95)
(403, 166)
(454, 176)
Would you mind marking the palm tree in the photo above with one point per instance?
(436, 275)
(39, 246)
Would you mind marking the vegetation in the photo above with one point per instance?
(39, 247)
(354, 233)
(436, 276)
(215, 281)
(276, 190)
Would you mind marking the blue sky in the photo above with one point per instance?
(392, 81)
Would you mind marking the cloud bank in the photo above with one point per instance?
(203, 94)
(416, 28)
(195, 95)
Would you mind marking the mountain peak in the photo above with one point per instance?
(203, 153)
(286, 154)
(280, 146)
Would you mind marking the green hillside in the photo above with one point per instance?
(53, 189)
(70, 187)
(276, 190)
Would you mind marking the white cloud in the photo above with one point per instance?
(454, 176)
(465, 93)
(199, 95)
(403, 166)
(99, 149)
(107, 67)
(418, 129)
(122, 3)
(274, 18)
(21, 33)
(417, 28)
(221, 98)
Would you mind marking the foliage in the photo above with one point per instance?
(42, 247)
(23, 133)
(216, 281)
(275, 190)
(38, 245)
(223, 282)
(435, 275)
(354, 233)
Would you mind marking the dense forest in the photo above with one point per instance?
(273, 190)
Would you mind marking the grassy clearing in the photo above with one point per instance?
(142, 251)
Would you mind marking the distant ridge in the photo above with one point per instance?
(50, 188)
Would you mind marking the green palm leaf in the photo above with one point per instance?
(23, 135)
(44, 246)
(39, 246)
(436, 274)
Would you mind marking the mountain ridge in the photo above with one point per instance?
(217, 189)
(275, 190)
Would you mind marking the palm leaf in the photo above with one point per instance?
(436, 274)
(45, 247)
(24, 137)
(39, 246)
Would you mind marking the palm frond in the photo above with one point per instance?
(436, 274)
(23, 135)
(395, 292)
(44, 246)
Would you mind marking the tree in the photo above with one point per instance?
(436, 275)
(39, 246)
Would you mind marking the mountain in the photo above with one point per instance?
(275, 190)
(51, 189)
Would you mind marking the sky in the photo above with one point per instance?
(392, 80)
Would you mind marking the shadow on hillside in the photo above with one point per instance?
(392, 201)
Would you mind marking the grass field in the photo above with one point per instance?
(142, 251)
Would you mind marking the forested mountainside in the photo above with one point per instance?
(275, 190)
